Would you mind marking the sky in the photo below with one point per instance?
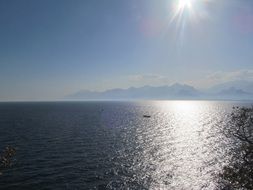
(52, 48)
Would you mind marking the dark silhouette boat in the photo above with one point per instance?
(146, 116)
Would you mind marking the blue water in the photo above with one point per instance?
(110, 145)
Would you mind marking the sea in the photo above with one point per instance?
(111, 145)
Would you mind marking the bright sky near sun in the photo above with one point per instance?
(51, 48)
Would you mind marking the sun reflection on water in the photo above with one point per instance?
(184, 144)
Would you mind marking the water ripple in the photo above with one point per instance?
(110, 145)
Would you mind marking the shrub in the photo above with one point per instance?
(239, 173)
(5, 157)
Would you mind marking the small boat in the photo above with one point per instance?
(146, 116)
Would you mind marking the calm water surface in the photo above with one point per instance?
(110, 145)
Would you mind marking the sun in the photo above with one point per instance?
(184, 4)
(183, 13)
(180, 7)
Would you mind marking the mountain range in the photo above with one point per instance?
(236, 90)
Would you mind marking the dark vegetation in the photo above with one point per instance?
(238, 174)
(6, 158)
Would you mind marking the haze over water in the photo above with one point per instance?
(110, 145)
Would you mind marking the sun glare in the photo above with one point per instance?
(186, 12)
(184, 4)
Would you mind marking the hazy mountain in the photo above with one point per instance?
(246, 86)
(175, 91)
(234, 93)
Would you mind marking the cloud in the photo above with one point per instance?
(211, 78)
(149, 79)
(231, 76)
(204, 80)
(146, 77)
